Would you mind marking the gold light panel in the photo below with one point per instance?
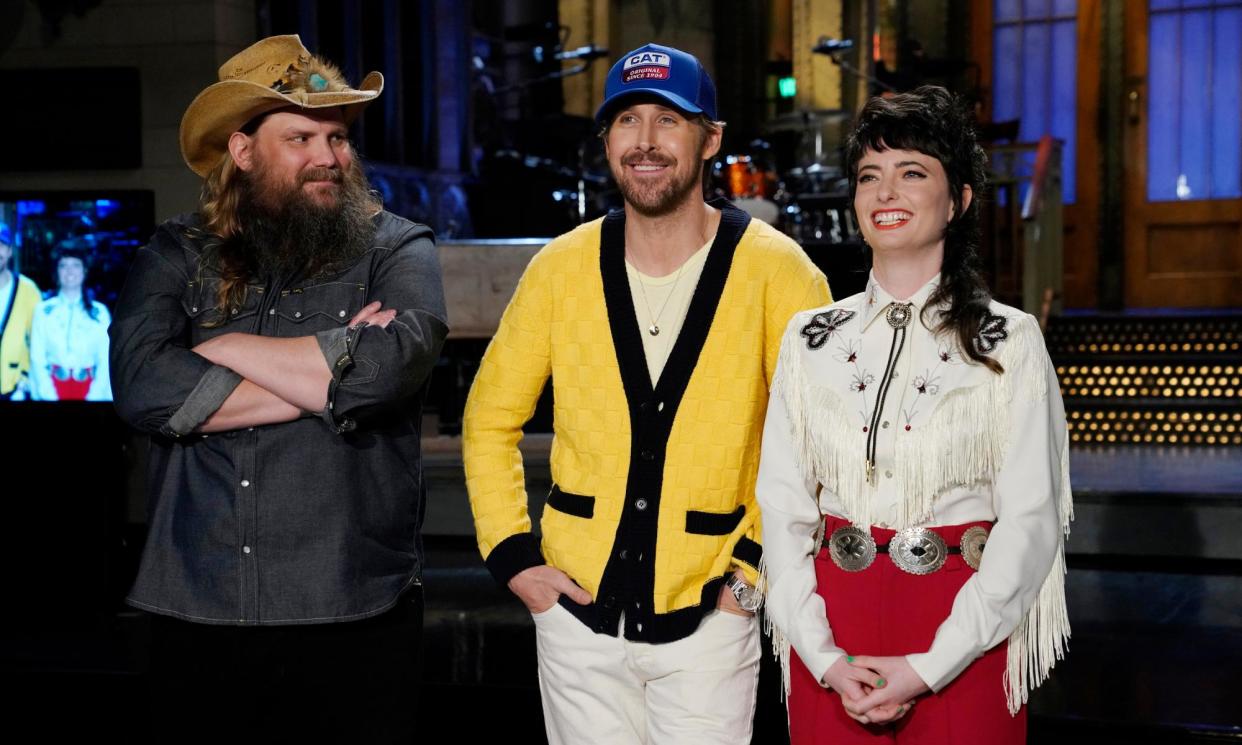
(1156, 427)
(1183, 387)
(1151, 381)
(1143, 337)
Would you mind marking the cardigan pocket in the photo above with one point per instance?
(714, 523)
(571, 504)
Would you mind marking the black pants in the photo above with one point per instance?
(354, 682)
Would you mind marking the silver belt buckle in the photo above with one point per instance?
(918, 551)
(973, 542)
(851, 548)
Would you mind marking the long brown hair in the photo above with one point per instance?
(218, 205)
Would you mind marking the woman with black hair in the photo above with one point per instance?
(69, 337)
(910, 426)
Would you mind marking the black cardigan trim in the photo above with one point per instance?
(14, 281)
(748, 551)
(657, 629)
(514, 555)
(628, 582)
(626, 336)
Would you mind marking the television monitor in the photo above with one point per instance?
(76, 247)
(72, 118)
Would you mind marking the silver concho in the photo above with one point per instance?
(898, 315)
(973, 542)
(851, 548)
(917, 551)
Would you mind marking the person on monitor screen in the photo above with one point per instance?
(69, 335)
(276, 347)
(659, 328)
(18, 297)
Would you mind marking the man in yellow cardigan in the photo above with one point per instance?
(18, 297)
(659, 326)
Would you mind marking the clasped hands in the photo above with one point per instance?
(875, 690)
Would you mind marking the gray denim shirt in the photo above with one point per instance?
(315, 520)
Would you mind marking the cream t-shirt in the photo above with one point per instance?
(663, 302)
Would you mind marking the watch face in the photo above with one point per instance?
(748, 598)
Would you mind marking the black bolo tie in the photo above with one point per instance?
(898, 316)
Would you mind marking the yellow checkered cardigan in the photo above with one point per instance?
(654, 497)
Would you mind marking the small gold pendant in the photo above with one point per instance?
(653, 329)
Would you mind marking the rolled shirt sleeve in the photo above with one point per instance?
(158, 384)
(375, 369)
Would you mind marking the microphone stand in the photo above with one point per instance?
(841, 63)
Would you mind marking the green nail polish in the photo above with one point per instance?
(849, 658)
(879, 682)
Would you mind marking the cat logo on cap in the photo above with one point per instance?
(646, 66)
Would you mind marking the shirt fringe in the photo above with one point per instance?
(936, 458)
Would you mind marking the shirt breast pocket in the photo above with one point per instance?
(307, 310)
(201, 302)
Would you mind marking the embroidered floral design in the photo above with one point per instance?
(847, 352)
(823, 324)
(992, 331)
(927, 384)
(861, 380)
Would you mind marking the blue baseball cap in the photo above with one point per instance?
(666, 73)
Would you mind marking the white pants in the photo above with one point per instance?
(604, 689)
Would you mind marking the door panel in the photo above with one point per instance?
(1183, 169)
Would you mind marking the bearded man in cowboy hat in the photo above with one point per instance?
(275, 346)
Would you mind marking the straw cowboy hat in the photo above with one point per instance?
(273, 73)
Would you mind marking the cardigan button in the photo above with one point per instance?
(647, 455)
(623, 554)
(610, 602)
(640, 504)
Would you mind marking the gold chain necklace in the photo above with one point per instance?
(654, 328)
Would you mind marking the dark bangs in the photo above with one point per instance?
(928, 120)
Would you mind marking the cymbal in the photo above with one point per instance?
(805, 119)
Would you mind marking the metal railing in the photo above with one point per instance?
(1023, 229)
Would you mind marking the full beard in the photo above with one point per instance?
(286, 232)
(655, 200)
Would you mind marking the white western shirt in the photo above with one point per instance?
(956, 444)
(63, 333)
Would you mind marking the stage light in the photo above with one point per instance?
(788, 87)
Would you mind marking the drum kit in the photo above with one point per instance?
(809, 201)
(804, 193)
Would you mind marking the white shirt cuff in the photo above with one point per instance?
(949, 655)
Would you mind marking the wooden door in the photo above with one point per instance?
(1183, 153)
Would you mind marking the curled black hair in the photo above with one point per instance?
(932, 121)
(76, 248)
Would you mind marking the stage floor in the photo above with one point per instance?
(1155, 602)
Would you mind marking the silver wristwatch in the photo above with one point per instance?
(748, 598)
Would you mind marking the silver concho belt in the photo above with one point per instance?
(913, 550)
